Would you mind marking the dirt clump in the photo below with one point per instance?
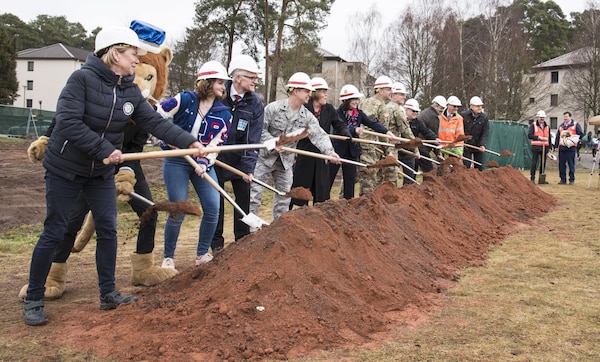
(387, 161)
(173, 208)
(300, 193)
(340, 274)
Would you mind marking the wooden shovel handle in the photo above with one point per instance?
(401, 139)
(321, 156)
(486, 150)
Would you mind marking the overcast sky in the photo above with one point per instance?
(93, 13)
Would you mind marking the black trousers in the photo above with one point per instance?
(241, 191)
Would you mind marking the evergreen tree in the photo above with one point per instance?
(8, 68)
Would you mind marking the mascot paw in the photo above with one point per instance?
(56, 283)
(37, 148)
(124, 181)
(144, 272)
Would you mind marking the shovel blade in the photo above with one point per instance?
(542, 179)
(253, 221)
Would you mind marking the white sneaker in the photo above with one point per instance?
(203, 259)
(168, 263)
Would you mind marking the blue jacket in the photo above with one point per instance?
(246, 128)
(352, 149)
(92, 112)
(183, 108)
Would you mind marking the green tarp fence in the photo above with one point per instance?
(511, 136)
(24, 122)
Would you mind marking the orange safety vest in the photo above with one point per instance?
(451, 128)
(538, 131)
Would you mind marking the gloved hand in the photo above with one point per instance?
(124, 181)
(37, 148)
(566, 134)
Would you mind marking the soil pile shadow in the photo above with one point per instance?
(336, 275)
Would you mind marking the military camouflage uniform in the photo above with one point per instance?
(368, 178)
(398, 125)
(280, 120)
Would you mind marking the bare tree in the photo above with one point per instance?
(409, 53)
(367, 40)
(583, 80)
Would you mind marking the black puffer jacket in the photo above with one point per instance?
(477, 126)
(91, 115)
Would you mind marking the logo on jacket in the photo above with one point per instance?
(128, 108)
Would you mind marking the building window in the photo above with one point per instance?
(532, 79)
(319, 68)
(30, 103)
(531, 100)
(554, 100)
(554, 77)
(30, 66)
(553, 122)
(350, 69)
(29, 85)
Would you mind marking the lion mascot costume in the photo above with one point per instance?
(151, 75)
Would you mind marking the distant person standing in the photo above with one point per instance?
(567, 139)
(477, 125)
(246, 127)
(539, 134)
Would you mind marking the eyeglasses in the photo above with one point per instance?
(252, 79)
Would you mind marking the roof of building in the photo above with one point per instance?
(575, 57)
(329, 55)
(54, 51)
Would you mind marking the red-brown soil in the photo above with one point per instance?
(336, 275)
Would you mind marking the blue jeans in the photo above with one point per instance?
(61, 194)
(566, 157)
(177, 173)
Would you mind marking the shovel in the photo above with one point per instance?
(249, 219)
(185, 152)
(460, 156)
(322, 156)
(411, 142)
(421, 156)
(360, 140)
(542, 178)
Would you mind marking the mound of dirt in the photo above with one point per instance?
(336, 275)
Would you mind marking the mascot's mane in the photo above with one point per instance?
(161, 63)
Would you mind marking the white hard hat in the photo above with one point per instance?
(398, 88)
(440, 100)
(300, 80)
(349, 91)
(319, 83)
(541, 114)
(454, 101)
(243, 62)
(212, 70)
(476, 101)
(412, 104)
(117, 35)
(383, 82)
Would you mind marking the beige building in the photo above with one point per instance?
(42, 73)
(338, 72)
(548, 83)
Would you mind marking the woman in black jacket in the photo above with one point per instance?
(309, 172)
(92, 112)
(354, 118)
